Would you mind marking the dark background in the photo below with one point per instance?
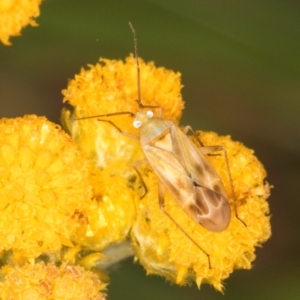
(240, 65)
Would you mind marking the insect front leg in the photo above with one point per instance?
(161, 200)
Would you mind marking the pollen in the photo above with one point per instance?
(40, 282)
(45, 188)
(15, 15)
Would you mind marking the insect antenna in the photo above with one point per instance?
(161, 188)
(139, 100)
(138, 71)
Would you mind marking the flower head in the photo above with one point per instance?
(163, 248)
(16, 14)
(45, 190)
(41, 282)
(160, 245)
(110, 87)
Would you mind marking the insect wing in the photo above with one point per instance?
(190, 179)
(171, 174)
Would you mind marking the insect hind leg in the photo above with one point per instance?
(161, 199)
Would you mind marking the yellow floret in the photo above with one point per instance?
(112, 214)
(45, 192)
(164, 250)
(16, 14)
(42, 282)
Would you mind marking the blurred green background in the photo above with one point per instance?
(240, 67)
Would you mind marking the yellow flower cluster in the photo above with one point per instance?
(163, 249)
(42, 282)
(111, 88)
(46, 205)
(45, 188)
(99, 91)
(16, 14)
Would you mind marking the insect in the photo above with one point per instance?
(182, 168)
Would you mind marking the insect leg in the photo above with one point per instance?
(210, 149)
(161, 199)
(135, 166)
(189, 128)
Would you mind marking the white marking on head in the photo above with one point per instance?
(149, 114)
(141, 117)
(137, 123)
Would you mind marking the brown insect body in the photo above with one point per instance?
(184, 172)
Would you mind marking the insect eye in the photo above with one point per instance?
(137, 123)
(149, 113)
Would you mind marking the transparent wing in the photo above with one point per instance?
(189, 178)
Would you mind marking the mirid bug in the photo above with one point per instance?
(181, 167)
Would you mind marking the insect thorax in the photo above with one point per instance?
(154, 130)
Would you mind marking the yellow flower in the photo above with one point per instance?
(111, 216)
(45, 192)
(163, 249)
(41, 282)
(16, 14)
(109, 87)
